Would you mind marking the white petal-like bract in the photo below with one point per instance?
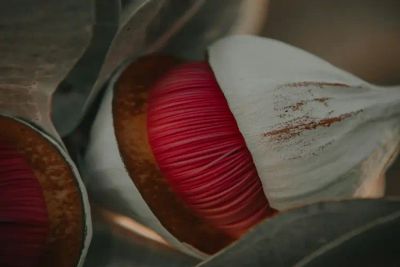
(315, 132)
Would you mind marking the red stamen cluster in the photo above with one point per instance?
(23, 213)
(200, 150)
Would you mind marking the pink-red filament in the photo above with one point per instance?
(200, 150)
(23, 213)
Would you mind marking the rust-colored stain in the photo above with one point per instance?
(303, 124)
(294, 107)
(315, 84)
(297, 106)
(321, 99)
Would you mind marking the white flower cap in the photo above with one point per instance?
(315, 132)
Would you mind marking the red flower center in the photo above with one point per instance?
(200, 150)
(23, 212)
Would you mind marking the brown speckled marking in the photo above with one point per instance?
(303, 124)
(299, 105)
(321, 99)
(294, 107)
(60, 190)
(130, 124)
(315, 84)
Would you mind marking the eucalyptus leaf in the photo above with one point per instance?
(288, 238)
(40, 41)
